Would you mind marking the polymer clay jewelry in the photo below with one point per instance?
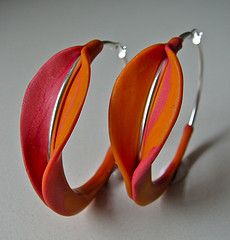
(144, 107)
(51, 107)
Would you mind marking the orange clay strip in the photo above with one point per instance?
(126, 108)
(149, 190)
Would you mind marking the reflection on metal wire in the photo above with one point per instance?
(196, 36)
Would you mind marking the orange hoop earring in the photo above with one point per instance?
(144, 107)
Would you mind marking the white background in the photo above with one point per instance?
(196, 208)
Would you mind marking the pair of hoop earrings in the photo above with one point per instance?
(144, 105)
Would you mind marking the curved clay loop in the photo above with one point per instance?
(47, 175)
(132, 88)
(144, 190)
(37, 108)
(126, 108)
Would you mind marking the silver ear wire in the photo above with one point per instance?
(194, 34)
(122, 49)
(196, 37)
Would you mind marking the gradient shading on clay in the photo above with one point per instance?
(45, 168)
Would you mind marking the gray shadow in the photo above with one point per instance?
(103, 205)
(176, 194)
(104, 200)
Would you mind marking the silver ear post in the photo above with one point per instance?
(196, 37)
(121, 49)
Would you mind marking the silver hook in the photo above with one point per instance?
(196, 37)
(122, 49)
(194, 34)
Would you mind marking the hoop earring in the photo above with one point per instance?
(144, 107)
(51, 107)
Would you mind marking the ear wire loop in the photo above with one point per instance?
(195, 36)
(122, 54)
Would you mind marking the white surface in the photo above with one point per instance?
(198, 207)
